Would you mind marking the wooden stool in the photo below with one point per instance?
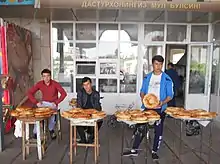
(75, 144)
(39, 143)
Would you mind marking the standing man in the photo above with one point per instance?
(88, 98)
(159, 84)
(49, 89)
(176, 82)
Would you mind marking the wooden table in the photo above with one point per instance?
(73, 124)
(40, 143)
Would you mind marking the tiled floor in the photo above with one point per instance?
(171, 151)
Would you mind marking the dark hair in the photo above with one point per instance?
(158, 58)
(171, 64)
(85, 79)
(45, 71)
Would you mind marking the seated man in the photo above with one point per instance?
(49, 89)
(88, 98)
(159, 84)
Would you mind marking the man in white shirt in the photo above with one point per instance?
(161, 85)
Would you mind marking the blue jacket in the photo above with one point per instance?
(174, 76)
(166, 87)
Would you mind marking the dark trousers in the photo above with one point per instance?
(90, 130)
(140, 132)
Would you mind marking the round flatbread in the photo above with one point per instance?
(22, 108)
(66, 114)
(43, 109)
(101, 114)
(151, 101)
(139, 118)
(82, 116)
(14, 113)
(89, 111)
(123, 115)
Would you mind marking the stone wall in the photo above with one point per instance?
(40, 43)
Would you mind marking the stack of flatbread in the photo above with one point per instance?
(84, 114)
(181, 113)
(26, 112)
(137, 115)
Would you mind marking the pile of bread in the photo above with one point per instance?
(73, 102)
(138, 116)
(84, 114)
(181, 113)
(26, 112)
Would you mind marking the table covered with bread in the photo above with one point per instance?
(202, 116)
(83, 117)
(30, 116)
(134, 117)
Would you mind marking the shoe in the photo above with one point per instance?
(91, 139)
(155, 156)
(53, 135)
(82, 141)
(130, 153)
(35, 136)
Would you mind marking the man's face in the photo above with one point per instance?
(169, 67)
(46, 77)
(87, 86)
(157, 66)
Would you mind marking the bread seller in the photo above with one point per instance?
(88, 98)
(49, 89)
(161, 85)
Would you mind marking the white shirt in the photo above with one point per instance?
(154, 85)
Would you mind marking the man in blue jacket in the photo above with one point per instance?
(161, 85)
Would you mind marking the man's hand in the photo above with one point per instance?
(53, 104)
(39, 104)
(159, 105)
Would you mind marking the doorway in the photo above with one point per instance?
(177, 55)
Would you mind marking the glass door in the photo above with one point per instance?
(215, 81)
(198, 76)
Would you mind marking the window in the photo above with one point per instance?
(128, 67)
(85, 68)
(63, 64)
(85, 31)
(153, 33)
(199, 34)
(86, 51)
(108, 68)
(176, 33)
(108, 85)
(62, 31)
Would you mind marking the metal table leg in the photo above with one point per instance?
(122, 142)
(201, 144)
(180, 147)
(147, 137)
(210, 141)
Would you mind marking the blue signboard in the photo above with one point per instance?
(17, 2)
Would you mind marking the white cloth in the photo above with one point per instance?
(52, 121)
(204, 123)
(154, 85)
(18, 129)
